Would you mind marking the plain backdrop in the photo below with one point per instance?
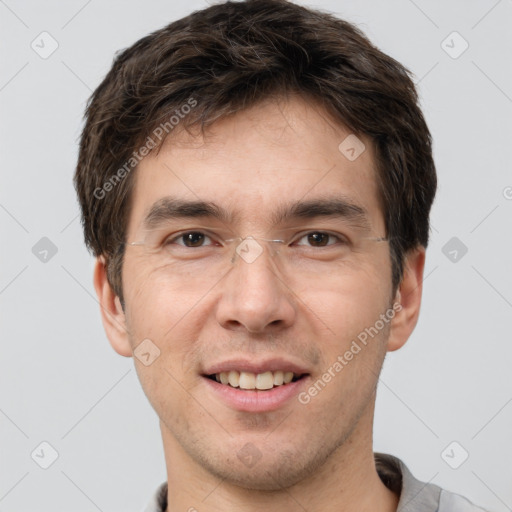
(446, 395)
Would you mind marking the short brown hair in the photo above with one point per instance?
(229, 57)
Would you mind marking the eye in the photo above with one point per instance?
(320, 239)
(189, 239)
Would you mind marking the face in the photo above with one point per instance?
(300, 307)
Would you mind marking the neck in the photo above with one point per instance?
(347, 482)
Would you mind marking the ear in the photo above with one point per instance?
(112, 314)
(407, 299)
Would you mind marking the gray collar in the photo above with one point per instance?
(414, 495)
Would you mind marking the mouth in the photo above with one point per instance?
(249, 381)
(256, 386)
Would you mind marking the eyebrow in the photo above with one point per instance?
(170, 208)
(329, 207)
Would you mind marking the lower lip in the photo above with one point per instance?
(256, 400)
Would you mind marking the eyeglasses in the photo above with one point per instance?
(203, 255)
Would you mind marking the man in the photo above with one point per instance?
(255, 181)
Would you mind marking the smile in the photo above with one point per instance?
(260, 381)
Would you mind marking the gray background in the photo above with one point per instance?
(61, 382)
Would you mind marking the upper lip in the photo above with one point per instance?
(266, 365)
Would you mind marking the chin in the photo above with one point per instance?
(275, 470)
(268, 477)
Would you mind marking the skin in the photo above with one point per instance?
(315, 456)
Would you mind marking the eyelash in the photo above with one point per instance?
(341, 239)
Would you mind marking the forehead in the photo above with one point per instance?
(255, 162)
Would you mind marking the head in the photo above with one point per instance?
(244, 107)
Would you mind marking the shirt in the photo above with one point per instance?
(415, 496)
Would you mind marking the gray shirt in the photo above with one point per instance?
(415, 496)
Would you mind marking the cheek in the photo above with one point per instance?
(354, 343)
(165, 392)
(155, 317)
(157, 311)
(347, 304)
(155, 302)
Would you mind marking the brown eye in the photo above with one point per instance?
(319, 239)
(189, 239)
(193, 239)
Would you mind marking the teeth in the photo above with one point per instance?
(234, 379)
(278, 378)
(248, 380)
(264, 380)
(288, 376)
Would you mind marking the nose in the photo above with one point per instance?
(255, 296)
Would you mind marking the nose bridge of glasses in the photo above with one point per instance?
(250, 248)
